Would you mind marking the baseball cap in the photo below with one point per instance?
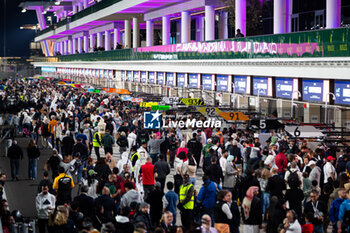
(92, 172)
(330, 158)
(143, 205)
(312, 162)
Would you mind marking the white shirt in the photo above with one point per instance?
(222, 162)
(327, 170)
(294, 227)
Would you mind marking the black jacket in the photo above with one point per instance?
(236, 153)
(275, 186)
(162, 168)
(143, 217)
(214, 172)
(67, 145)
(322, 208)
(33, 152)
(108, 204)
(80, 150)
(85, 204)
(255, 214)
(194, 147)
(15, 152)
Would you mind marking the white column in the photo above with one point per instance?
(186, 27)
(86, 3)
(200, 28)
(223, 29)
(279, 16)
(80, 40)
(69, 46)
(127, 33)
(333, 13)
(74, 45)
(92, 41)
(75, 9)
(241, 15)
(86, 44)
(99, 39)
(135, 33)
(166, 30)
(65, 47)
(116, 37)
(149, 33)
(289, 12)
(107, 40)
(62, 48)
(65, 13)
(209, 23)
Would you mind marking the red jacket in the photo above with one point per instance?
(308, 228)
(281, 162)
(147, 171)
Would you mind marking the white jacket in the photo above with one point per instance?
(43, 203)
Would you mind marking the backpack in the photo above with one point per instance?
(293, 179)
(216, 153)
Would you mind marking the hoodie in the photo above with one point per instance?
(124, 160)
(129, 197)
(42, 203)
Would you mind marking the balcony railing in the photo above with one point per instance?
(322, 43)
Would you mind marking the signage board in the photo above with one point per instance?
(284, 87)
(143, 77)
(151, 77)
(234, 116)
(148, 104)
(160, 78)
(209, 111)
(160, 107)
(241, 84)
(129, 76)
(223, 83)
(48, 69)
(170, 80)
(342, 92)
(208, 82)
(260, 85)
(137, 76)
(193, 81)
(313, 90)
(192, 101)
(171, 100)
(181, 79)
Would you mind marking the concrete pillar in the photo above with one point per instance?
(333, 13)
(80, 6)
(92, 41)
(241, 15)
(86, 44)
(149, 33)
(116, 37)
(127, 34)
(186, 27)
(209, 23)
(135, 33)
(223, 29)
(99, 39)
(279, 16)
(107, 40)
(65, 14)
(289, 13)
(70, 46)
(86, 3)
(80, 40)
(74, 49)
(64, 47)
(200, 28)
(75, 9)
(166, 30)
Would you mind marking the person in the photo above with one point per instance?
(222, 211)
(154, 147)
(291, 224)
(61, 222)
(148, 176)
(85, 202)
(96, 143)
(80, 151)
(170, 200)
(281, 162)
(67, 144)
(319, 210)
(195, 148)
(122, 142)
(143, 216)
(186, 202)
(190, 167)
(134, 157)
(33, 154)
(108, 142)
(239, 34)
(154, 199)
(308, 227)
(275, 185)
(162, 168)
(214, 171)
(107, 203)
(229, 174)
(207, 196)
(45, 182)
(45, 204)
(63, 185)
(167, 222)
(343, 218)
(206, 225)
(15, 154)
(329, 170)
(130, 196)
(295, 196)
(2, 184)
(123, 223)
(252, 211)
(53, 163)
(335, 207)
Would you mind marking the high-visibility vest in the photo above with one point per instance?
(94, 140)
(183, 193)
(132, 158)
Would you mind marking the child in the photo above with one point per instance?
(308, 227)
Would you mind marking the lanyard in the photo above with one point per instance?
(314, 207)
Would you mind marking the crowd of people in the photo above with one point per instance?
(277, 185)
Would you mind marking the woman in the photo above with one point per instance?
(122, 142)
(190, 167)
(178, 177)
(229, 174)
(222, 212)
(182, 148)
(265, 175)
(62, 223)
(252, 211)
(33, 155)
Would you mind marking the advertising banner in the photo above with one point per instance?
(137, 76)
(122, 75)
(129, 76)
(193, 80)
(313, 90)
(241, 84)
(260, 85)
(48, 69)
(170, 79)
(208, 82)
(222, 83)
(181, 79)
(342, 92)
(284, 87)
(151, 77)
(160, 78)
(143, 77)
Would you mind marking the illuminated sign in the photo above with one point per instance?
(313, 90)
(342, 92)
(160, 78)
(48, 69)
(261, 86)
(207, 82)
(222, 83)
(193, 81)
(241, 84)
(181, 79)
(151, 77)
(284, 87)
(143, 77)
(170, 79)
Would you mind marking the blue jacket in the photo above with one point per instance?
(207, 194)
(334, 210)
(345, 206)
(172, 199)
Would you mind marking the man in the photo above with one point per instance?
(96, 143)
(45, 204)
(344, 215)
(186, 198)
(319, 210)
(315, 173)
(281, 162)
(170, 200)
(239, 34)
(63, 185)
(275, 185)
(214, 171)
(291, 224)
(195, 148)
(134, 157)
(107, 202)
(154, 147)
(80, 151)
(167, 222)
(222, 161)
(206, 155)
(2, 183)
(67, 144)
(51, 128)
(130, 196)
(108, 142)
(142, 215)
(15, 154)
(148, 174)
(334, 209)
(206, 226)
(329, 170)
(85, 202)
(162, 168)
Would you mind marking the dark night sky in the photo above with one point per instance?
(17, 40)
